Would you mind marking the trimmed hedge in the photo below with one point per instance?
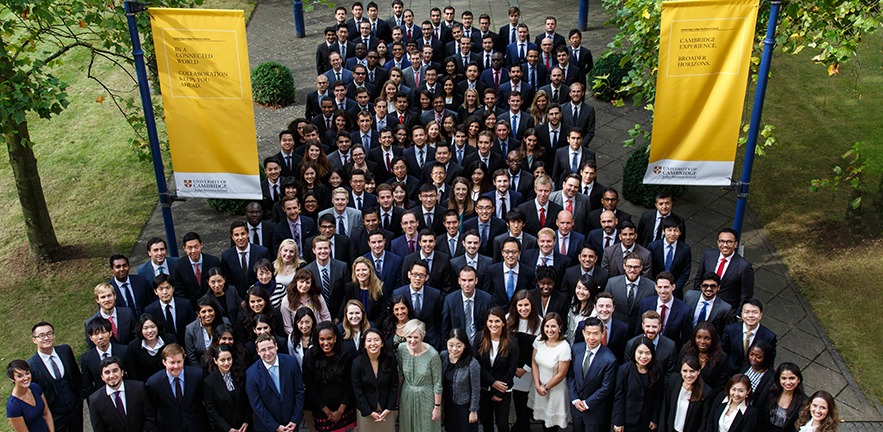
(633, 187)
(272, 85)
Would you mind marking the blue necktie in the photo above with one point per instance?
(669, 256)
(702, 312)
(510, 284)
(274, 374)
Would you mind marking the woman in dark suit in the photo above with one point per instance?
(777, 410)
(145, 351)
(199, 334)
(226, 295)
(375, 380)
(705, 345)
(367, 288)
(686, 400)
(731, 410)
(497, 375)
(638, 396)
(326, 371)
(758, 367)
(223, 392)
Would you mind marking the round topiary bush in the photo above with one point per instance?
(633, 187)
(609, 66)
(272, 85)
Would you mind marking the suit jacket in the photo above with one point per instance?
(146, 271)
(561, 168)
(454, 316)
(409, 79)
(232, 265)
(617, 336)
(629, 315)
(438, 218)
(64, 396)
(125, 323)
(341, 249)
(390, 271)
(463, 85)
(313, 104)
(399, 246)
(737, 283)
(345, 75)
(339, 275)
(526, 279)
(596, 240)
(376, 155)
(225, 409)
(744, 422)
(586, 120)
(525, 121)
(696, 411)
(678, 321)
(170, 416)
(104, 416)
(484, 262)
(632, 402)
(513, 54)
(595, 217)
(681, 262)
(721, 312)
(495, 161)
(594, 388)
(544, 139)
(350, 51)
(558, 303)
(487, 77)
(322, 52)
(733, 339)
(502, 368)
(563, 93)
(646, 224)
(532, 213)
(271, 407)
(472, 58)
(580, 209)
(497, 227)
(142, 290)
(91, 370)
(560, 263)
(371, 390)
(573, 274)
(443, 245)
(666, 353)
(613, 260)
(527, 242)
(574, 245)
(430, 314)
(440, 276)
(185, 279)
(513, 199)
(184, 315)
(353, 218)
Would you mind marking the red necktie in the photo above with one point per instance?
(662, 319)
(547, 62)
(402, 119)
(198, 273)
(417, 77)
(570, 205)
(563, 245)
(409, 33)
(113, 328)
(388, 163)
(542, 217)
(604, 336)
(720, 268)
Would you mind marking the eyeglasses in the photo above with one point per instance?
(44, 336)
(510, 252)
(418, 275)
(709, 285)
(633, 267)
(726, 242)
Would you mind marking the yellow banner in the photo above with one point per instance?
(202, 59)
(704, 56)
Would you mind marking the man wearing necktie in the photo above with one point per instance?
(54, 368)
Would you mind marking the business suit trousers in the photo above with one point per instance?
(523, 414)
(494, 412)
(367, 424)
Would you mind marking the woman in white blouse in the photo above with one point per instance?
(819, 414)
(686, 400)
(730, 410)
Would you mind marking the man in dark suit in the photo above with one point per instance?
(486, 224)
(508, 33)
(176, 311)
(515, 223)
(571, 200)
(569, 159)
(540, 212)
(275, 388)
(294, 226)
(609, 201)
(338, 75)
(552, 134)
(330, 274)
(666, 350)
(390, 215)
(121, 318)
(494, 161)
(238, 261)
(365, 37)
(451, 242)
(272, 187)
(379, 28)
(606, 236)
(671, 254)
(510, 276)
(588, 264)
(286, 156)
(557, 90)
(472, 80)
(550, 25)
(590, 380)
(132, 291)
(580, 55)
(628, 290)
(496, 75)
(315, 98)
(567, 241)
(159, 262)
(589, 186)
(545, 255)
(118, 405)
(359, 199)
(174, 394)
(738, 337)
(465, 56)
(585, 113)
(516, 52)
(99, 331)
(383, 154)
(615, 331)
(614, 256)
(471, 243)
(546, 297)
(55, 369)
(341, 246)
(504, 198)
(736, 273)
(675, 320)
(419, 154)
(324, 49)
(324, 120)
(466, 308)
(406, 243)
(400, 175)
(650, 225)
(343, 47)
(387, 265)
(520, 180)
(572, 73)
(423, 300)
(429, 213)
(260, 232)
(190, 272)
(705, 304)
(439, 263)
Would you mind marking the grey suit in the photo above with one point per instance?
(580, 212)
(721, 312)
(617, 287)
(194, 344)
(353, 218)
(613, 256)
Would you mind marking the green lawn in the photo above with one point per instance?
(818, 118)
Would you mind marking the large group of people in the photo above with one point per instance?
(432, 249)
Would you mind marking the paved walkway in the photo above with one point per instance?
(801, 338)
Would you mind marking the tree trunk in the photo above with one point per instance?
(41, 235)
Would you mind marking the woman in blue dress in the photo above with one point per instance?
(26, 407)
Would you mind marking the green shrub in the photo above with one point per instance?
(633, 187)
(272, 85)
(607, 76)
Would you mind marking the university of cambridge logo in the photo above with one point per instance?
(188, 183)
(656, 170)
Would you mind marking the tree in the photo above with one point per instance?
(36, 35)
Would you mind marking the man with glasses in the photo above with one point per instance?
(54, 368)
(486, 224)
(510, 275)
(736, 273)
(424, 301)
(615, 254)
(628, 290)
(609, 201)
(705, 304)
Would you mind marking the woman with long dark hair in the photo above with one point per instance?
(523, 323)
(301, 337)
(399, 314)
(686, 400)
(303, 291)
(549, 398)
(199, 334)
(227, 296)
(582, 305)
(638, 396)
(479, 178)
(375, 379)
(145, 351)
(498, 355)
(326, 371)
(731, 410)
(257, 302)
(819, 414)
(461, 383)
(778, 409)
(226, 403)
(460, 199)
(705, 345)
(758, 368)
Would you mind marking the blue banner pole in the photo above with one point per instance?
(299, 28)
(165, 202)
(769, 43)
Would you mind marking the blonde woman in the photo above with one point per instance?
(367, 288)
(287, 263)
(420, 405)
(303, 291)
(353, 326)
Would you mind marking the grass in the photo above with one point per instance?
(818, 118)
(99, 196)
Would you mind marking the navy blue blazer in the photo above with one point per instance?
(282, 231)
(184, 315)
(390, 271)
(453, 315)
(125, 326)
(737, 283)
(64, 396)
(169, 414)
(512, 52)
(91, 370)
(513, 197)
(679, 321)
(185, 279)
(732, 341)
(596, 241)
(142, 289)
(146, 270)
(430, 314)
(399, 246)
(230, 262)
(681, 263)
(617, 336)
(526, 280)
(410, 155)
(559, 262)
(272, 409)
(575, 244)
(595, 389)
(484, 281)
(497, 227)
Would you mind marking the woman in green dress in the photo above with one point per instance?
(421, 395)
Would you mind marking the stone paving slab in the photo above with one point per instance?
(707, 209)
